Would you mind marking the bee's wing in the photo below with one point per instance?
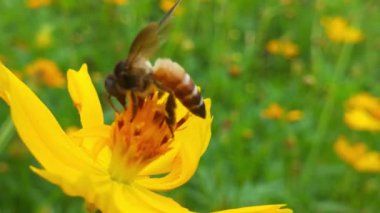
(145, 43)
(148, 39)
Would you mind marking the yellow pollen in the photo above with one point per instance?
(140, 139)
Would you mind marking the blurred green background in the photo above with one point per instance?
(253, 158)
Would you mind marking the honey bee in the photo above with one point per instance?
(135, 78)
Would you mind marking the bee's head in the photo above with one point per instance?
(125, 77)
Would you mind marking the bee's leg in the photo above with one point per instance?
(135, 104)
(169, 108)
(112, 89)
(160, 94)
(170, 105)
(108, 98)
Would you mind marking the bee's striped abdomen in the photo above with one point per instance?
(173, 76)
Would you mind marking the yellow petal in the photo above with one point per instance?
(369, 162)
(111, 196)
(193, 140)
(359, 119)
(259, 209)
(4, 83)
(164, 164)
(85, 98)
(364, 101)
(39, 130)
(347, 152)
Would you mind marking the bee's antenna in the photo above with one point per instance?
(168, 15)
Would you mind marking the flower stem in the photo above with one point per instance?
(317, 142)
(7, 132)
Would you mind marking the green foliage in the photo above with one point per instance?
(276, 161)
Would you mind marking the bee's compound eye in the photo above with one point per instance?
(119, 68)
(110, 85)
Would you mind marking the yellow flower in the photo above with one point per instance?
(43, 37)
(274, 111)
(338, 30)
(166, 5)
(234, 70)
(289, 49)
(284, 47)
(274, 47)
(363, 112)
(357, 155)
(34, 4)
(46, 72)
(115, 168)
(117, 2)
(294, 115)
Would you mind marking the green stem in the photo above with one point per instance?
(326, 114)
(7, 132)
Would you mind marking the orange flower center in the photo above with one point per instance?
(139, 139)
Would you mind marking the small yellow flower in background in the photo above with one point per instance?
(116, 2)
(234, 70)
(276, 112)
(43, 37)
(187, 44)
(363, 112)
(46, 72)
(290, 49)
(166, 5)
(357, 155)
(294, 115)
(338, 30)
(116, 167)
(284, 47)
(34, 4)
(274, 47)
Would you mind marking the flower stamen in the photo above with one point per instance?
(137, 142)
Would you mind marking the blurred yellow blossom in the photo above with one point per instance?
(187, 44)
(363, 112)
(283, 47)
(34, 4)
(294, 115)
(166, 5)
(275, 111)
(43, 37)
(338, 30)
(357, 155)
(234, 70)
(117, 2)
(46, 72)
